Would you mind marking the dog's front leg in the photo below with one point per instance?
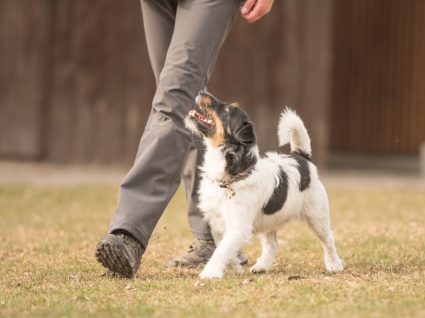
(225, 253)
(238, 232)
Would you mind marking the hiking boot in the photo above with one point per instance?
(199, 253)
(120, 253)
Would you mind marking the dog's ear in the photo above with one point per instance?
(245, 135)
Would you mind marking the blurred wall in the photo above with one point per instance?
(76, 84)
(75, 79)
(378, 95)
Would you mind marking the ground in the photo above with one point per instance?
(49, 231)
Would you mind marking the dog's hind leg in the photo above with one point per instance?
(269, 246)
(316, 214)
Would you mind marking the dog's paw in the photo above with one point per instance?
(335, 266)
(208, 273)
(259, 268)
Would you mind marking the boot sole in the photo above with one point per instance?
(112, 254)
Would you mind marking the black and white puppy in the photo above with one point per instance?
(242, 194)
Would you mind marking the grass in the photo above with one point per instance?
(47, 268)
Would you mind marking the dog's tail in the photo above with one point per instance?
(292, 130)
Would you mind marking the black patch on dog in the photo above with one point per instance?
(239, 138)
(280, 193)
(302, 159)
(303, 154)
(245, 134)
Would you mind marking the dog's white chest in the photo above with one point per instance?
(211, 196)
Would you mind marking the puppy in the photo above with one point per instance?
(242, 194)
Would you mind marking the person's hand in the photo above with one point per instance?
(252, 10)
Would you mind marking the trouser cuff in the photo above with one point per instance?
(138, 232)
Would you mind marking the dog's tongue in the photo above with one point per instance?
(200, 118)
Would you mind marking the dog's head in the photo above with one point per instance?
(225, 127)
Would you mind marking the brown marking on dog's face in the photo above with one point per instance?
(203, 101)
(218, 121)
(217, 139)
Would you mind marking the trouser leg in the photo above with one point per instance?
(158, 22)
(199, 31)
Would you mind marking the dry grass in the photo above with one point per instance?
(47, 266)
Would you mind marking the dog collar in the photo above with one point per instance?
(227, 182)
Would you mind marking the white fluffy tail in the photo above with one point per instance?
(292, 130)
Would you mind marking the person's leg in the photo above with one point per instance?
(120, 252)
(200, 28)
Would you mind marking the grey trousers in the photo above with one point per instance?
(183, 39)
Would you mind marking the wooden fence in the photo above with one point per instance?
(378, 95)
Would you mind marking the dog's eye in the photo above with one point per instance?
(227, 109)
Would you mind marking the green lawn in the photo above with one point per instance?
(47, 268)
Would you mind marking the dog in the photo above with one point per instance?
(242, 193)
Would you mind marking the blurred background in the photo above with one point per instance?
(76, 84)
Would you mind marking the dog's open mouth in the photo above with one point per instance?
(202, 119)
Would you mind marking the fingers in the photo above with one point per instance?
(258, 8)
(247, 6)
